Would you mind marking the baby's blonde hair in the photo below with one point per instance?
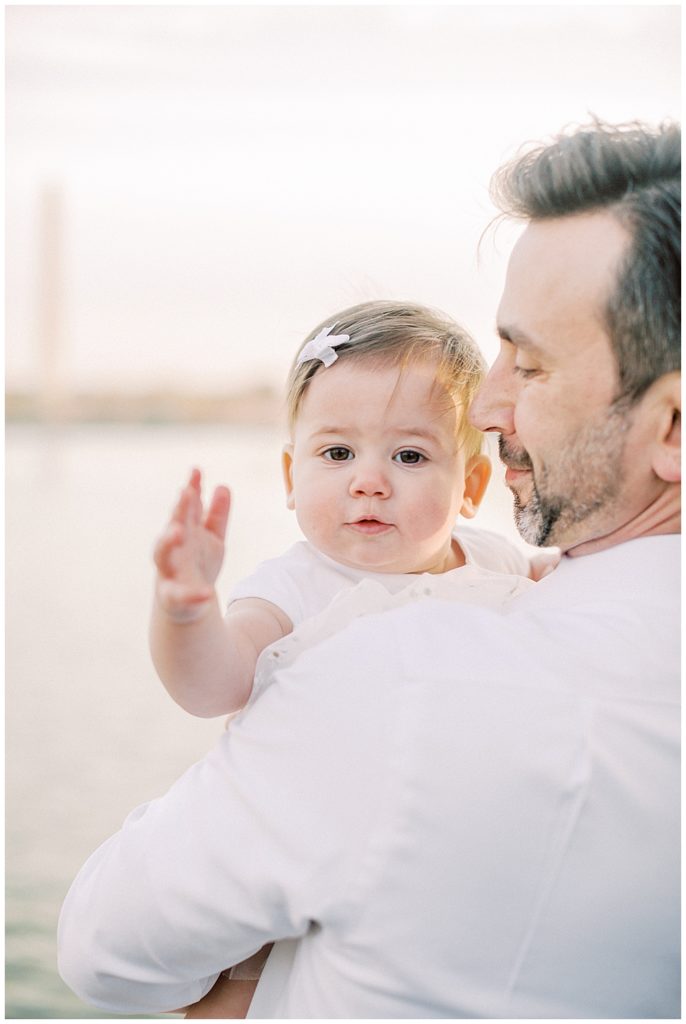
(401, 333)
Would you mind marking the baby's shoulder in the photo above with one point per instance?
(487, 549)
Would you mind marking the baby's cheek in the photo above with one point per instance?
(316, 517)
(430, 516)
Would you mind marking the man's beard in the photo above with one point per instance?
(584, 479)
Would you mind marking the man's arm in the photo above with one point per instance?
(232, 856)
(192, 883)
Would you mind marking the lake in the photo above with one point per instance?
(91, 733)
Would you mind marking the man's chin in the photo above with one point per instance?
(535, 526)
(530, 521)
(522, 489)
(528, 527)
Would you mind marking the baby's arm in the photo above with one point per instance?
(206, 662)
(233, 991)
(228, 999)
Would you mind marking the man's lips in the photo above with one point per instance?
(513, 476)
(517, 461)
(369, 526)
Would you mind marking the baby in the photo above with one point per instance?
(380, 463)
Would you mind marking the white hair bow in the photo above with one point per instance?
(322, 348)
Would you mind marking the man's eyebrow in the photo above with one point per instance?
(518, 338)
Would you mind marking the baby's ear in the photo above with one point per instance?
(476, 476)
(287, 469)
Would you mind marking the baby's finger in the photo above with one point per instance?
(543, 563)
(189, 506)
(162, 553)
(181, 509)
(192, 498)
(218, 513)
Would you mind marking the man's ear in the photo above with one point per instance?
(666, 454)
(476, 477)
(287, 470)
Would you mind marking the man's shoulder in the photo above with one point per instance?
(644, 571)
(601, 617)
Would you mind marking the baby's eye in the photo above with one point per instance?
(338, 454)
(409, 457)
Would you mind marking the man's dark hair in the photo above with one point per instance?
(633, 172)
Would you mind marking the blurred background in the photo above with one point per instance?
(189, 190)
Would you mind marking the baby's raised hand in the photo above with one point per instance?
(190, 552)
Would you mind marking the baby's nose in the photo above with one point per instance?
(369, 480)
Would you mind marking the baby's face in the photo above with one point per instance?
(374, 472)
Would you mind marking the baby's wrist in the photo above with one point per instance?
(180, 614)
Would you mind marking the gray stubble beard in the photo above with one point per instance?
(590, 469)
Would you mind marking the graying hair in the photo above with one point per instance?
(633, 172)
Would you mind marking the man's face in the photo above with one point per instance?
(550, 393)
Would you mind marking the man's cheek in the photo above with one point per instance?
(528, 419)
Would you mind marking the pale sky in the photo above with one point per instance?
(230, 176)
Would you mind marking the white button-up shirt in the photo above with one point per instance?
(449, 810)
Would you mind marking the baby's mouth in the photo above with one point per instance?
(370, 526)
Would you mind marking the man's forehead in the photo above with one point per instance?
(563, 266)
(583, 244)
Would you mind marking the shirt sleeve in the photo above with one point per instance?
(232, 856)
(283, 581)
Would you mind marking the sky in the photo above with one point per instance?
(225, 177)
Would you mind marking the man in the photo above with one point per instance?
(450, 811)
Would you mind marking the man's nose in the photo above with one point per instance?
(493, 406)
(369, 480)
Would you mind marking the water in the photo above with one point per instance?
(90, 731)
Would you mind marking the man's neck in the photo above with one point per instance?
(661, 517)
